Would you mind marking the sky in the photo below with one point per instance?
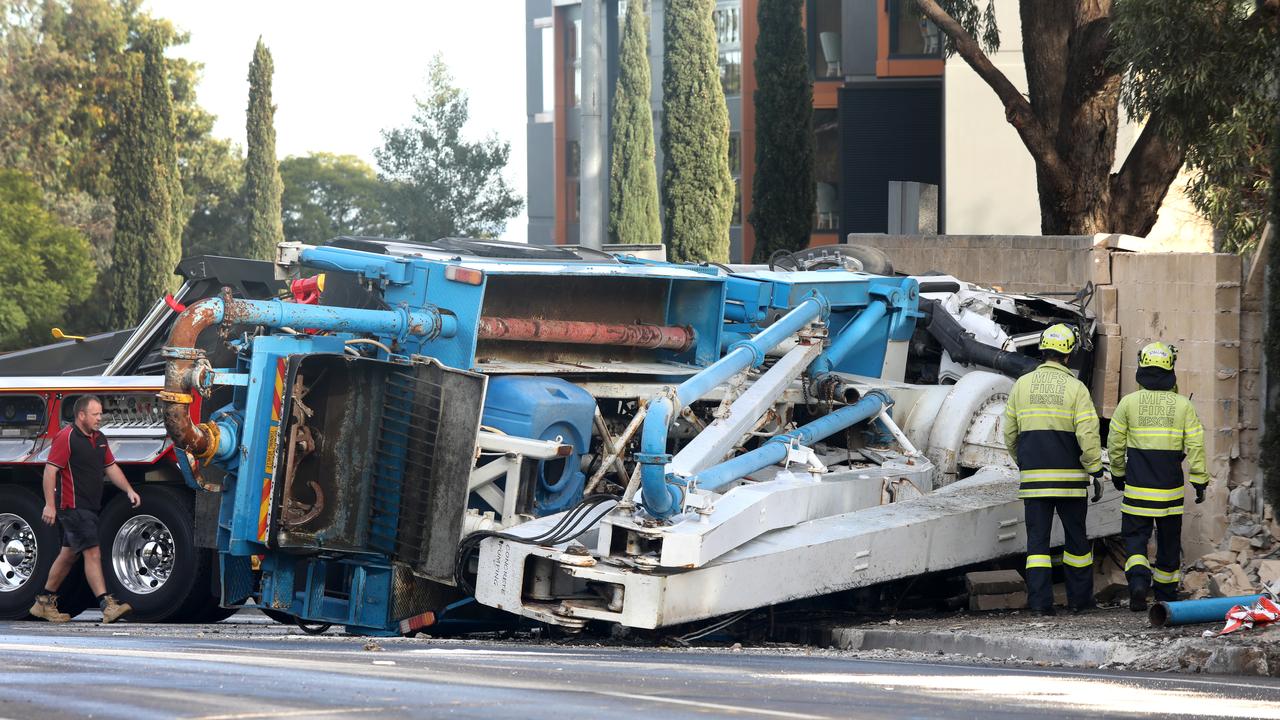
(345, 71)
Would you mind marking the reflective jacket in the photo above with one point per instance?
(1151, 432)
(1051, 431)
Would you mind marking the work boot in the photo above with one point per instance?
(112, 610)
(1138, 600)
(1083, 609)
(1044, 612)
(47, 607)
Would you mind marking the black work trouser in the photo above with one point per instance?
(1142, 574)
(1077, 558)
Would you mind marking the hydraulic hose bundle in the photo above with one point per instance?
(964, 348)
(568, 528)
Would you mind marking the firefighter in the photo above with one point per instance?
(1152, 431)
(1051, 431)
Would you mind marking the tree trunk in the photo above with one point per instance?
(1076, 98)
(1069, 118)
(1138, 190)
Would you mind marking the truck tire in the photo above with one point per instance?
(27, 549)
(826, 257)
(150, 558)
(204, 607)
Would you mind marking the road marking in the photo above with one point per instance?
(709, 705)
(289, 713)
(1080, 673)
(477, 651)
(328, 666)
(1098, 692)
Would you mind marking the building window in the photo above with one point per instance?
(826, 170)
(572, 169)
(827, 49)
(735, 168)
(911, 34)
(573, 60)
(728, 22)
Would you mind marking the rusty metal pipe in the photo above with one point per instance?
(184, 375)
(651, 337)
(182, 356)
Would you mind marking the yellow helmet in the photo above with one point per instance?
(1158, 354)
(1059, 338)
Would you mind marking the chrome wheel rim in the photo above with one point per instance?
(143, 554)
(18, 552)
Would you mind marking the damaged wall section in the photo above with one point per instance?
(1203, 303)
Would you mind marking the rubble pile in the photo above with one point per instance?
(1247, 560)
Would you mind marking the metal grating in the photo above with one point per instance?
(237, 578)
(402, 474)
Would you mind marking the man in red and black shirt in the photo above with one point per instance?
(78, 461)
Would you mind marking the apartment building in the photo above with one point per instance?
(878, 94)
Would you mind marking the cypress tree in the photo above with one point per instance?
(782, 193)
(697, 188)
(262, 185)
(145, 169)
(633, 176)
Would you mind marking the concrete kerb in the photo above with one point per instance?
(1075, 653)
(1180, 650)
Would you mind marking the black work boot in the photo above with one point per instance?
(1138, 599)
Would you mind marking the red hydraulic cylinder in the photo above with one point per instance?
(653, 337)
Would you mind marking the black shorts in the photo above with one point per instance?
(79, 528)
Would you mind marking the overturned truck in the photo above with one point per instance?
(574, 436)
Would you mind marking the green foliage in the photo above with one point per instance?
(327, 195)
(697, 188)
(439, 183)
(45, 266)
(63, 77)
(782, 193)
(262, 185)
(634, 216)
(145, 250)
(1208, 69)
(978, 22)
(213, 177)
(64, 72)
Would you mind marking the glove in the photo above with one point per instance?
(1097, 486)
(1118, 482)
(1199, 492)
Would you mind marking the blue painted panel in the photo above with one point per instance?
(545, 408)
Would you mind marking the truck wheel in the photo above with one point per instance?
(826, 257)
(150, 558)
(27, 549)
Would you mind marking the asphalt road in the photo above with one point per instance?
(242, 671)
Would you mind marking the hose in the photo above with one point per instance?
(964, 348)
(566, 529)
